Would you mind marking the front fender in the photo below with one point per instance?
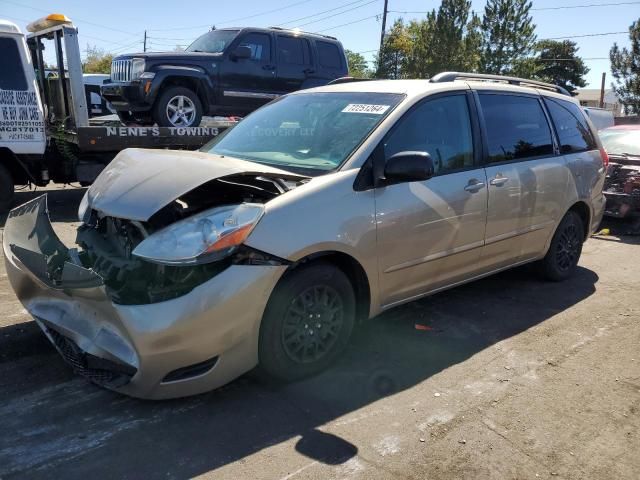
(170, 73)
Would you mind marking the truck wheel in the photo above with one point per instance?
(6, 189)
(177, 107)
(307, 323)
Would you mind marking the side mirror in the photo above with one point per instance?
(242, 52)
(408, 167)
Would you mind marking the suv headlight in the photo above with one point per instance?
(205, 237)
(137, 68)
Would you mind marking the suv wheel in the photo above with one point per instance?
(178, 107)
(307, 323)
(565, 249)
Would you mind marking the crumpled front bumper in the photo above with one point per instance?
(180, 347)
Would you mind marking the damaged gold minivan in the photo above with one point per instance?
(324, 207)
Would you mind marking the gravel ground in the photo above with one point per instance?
(514, 378)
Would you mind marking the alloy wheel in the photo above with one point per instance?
(568, 248)
(181, 111)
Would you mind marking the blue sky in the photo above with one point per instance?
(118, 25)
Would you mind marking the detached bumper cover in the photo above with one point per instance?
(134, 348)
(127, 96)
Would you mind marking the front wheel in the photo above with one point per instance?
(178, 107)
(307, 323)
(564, 252)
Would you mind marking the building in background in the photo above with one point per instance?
(590, 97)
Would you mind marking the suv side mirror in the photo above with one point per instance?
(408, 167)
(242, 52)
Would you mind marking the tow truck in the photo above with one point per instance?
(46, 134)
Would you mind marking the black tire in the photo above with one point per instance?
(169, 95)
(564, 252)
(128, 118)
(6, 189)
(290, 346)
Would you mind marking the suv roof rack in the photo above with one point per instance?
(338, 81)
(293, 30)
(451, 76)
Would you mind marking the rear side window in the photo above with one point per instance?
(293, 51)
(260, 45)
(328, 55)
(12, 77)
(571, 126)
(517, 127)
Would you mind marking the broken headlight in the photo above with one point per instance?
(202, 238)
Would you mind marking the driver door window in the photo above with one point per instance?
(440, 127)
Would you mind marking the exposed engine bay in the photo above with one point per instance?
(107, 243)
(622, 187)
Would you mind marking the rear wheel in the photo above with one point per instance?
(177, 107)
(6, 189)
(562, 258)
(307, 323)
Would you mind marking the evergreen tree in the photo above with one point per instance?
(558, 63)
(625, 66)
(508, 35)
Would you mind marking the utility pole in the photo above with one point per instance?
(384, 27)
(604, 76)
(145, 41)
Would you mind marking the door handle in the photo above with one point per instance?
(499, 180)
(268, 67)
(474, 185)
(308, 71)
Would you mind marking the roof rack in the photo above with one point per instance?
(451, 76)
(338, 81)
(294, 30)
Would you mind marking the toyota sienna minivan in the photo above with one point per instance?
(325, 207)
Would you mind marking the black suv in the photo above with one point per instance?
(224, 72)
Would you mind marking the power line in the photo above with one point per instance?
(267, 12)
(319, 13)
(336, 14)
(585, 35)
(349, 23)
(78, 19)
(587, 5)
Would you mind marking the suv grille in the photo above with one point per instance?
(121, 70)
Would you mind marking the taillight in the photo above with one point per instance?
(605, 157)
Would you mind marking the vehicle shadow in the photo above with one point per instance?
(63, 202)
(63, 427)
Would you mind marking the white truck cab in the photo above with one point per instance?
(22, 131)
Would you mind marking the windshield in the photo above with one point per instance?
(312, 131)
(214, 41)
(619, 141)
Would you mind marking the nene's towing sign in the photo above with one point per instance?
(107, 138)
(20, 116)
(157, 131)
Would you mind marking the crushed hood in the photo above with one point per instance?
(138, 182)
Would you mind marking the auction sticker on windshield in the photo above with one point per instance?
(365, 108)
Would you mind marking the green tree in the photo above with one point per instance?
(97, 61)
(558, 63)
(508, 35)
(447, 39)
(625, 67)
(357, 65)
(396, 47)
